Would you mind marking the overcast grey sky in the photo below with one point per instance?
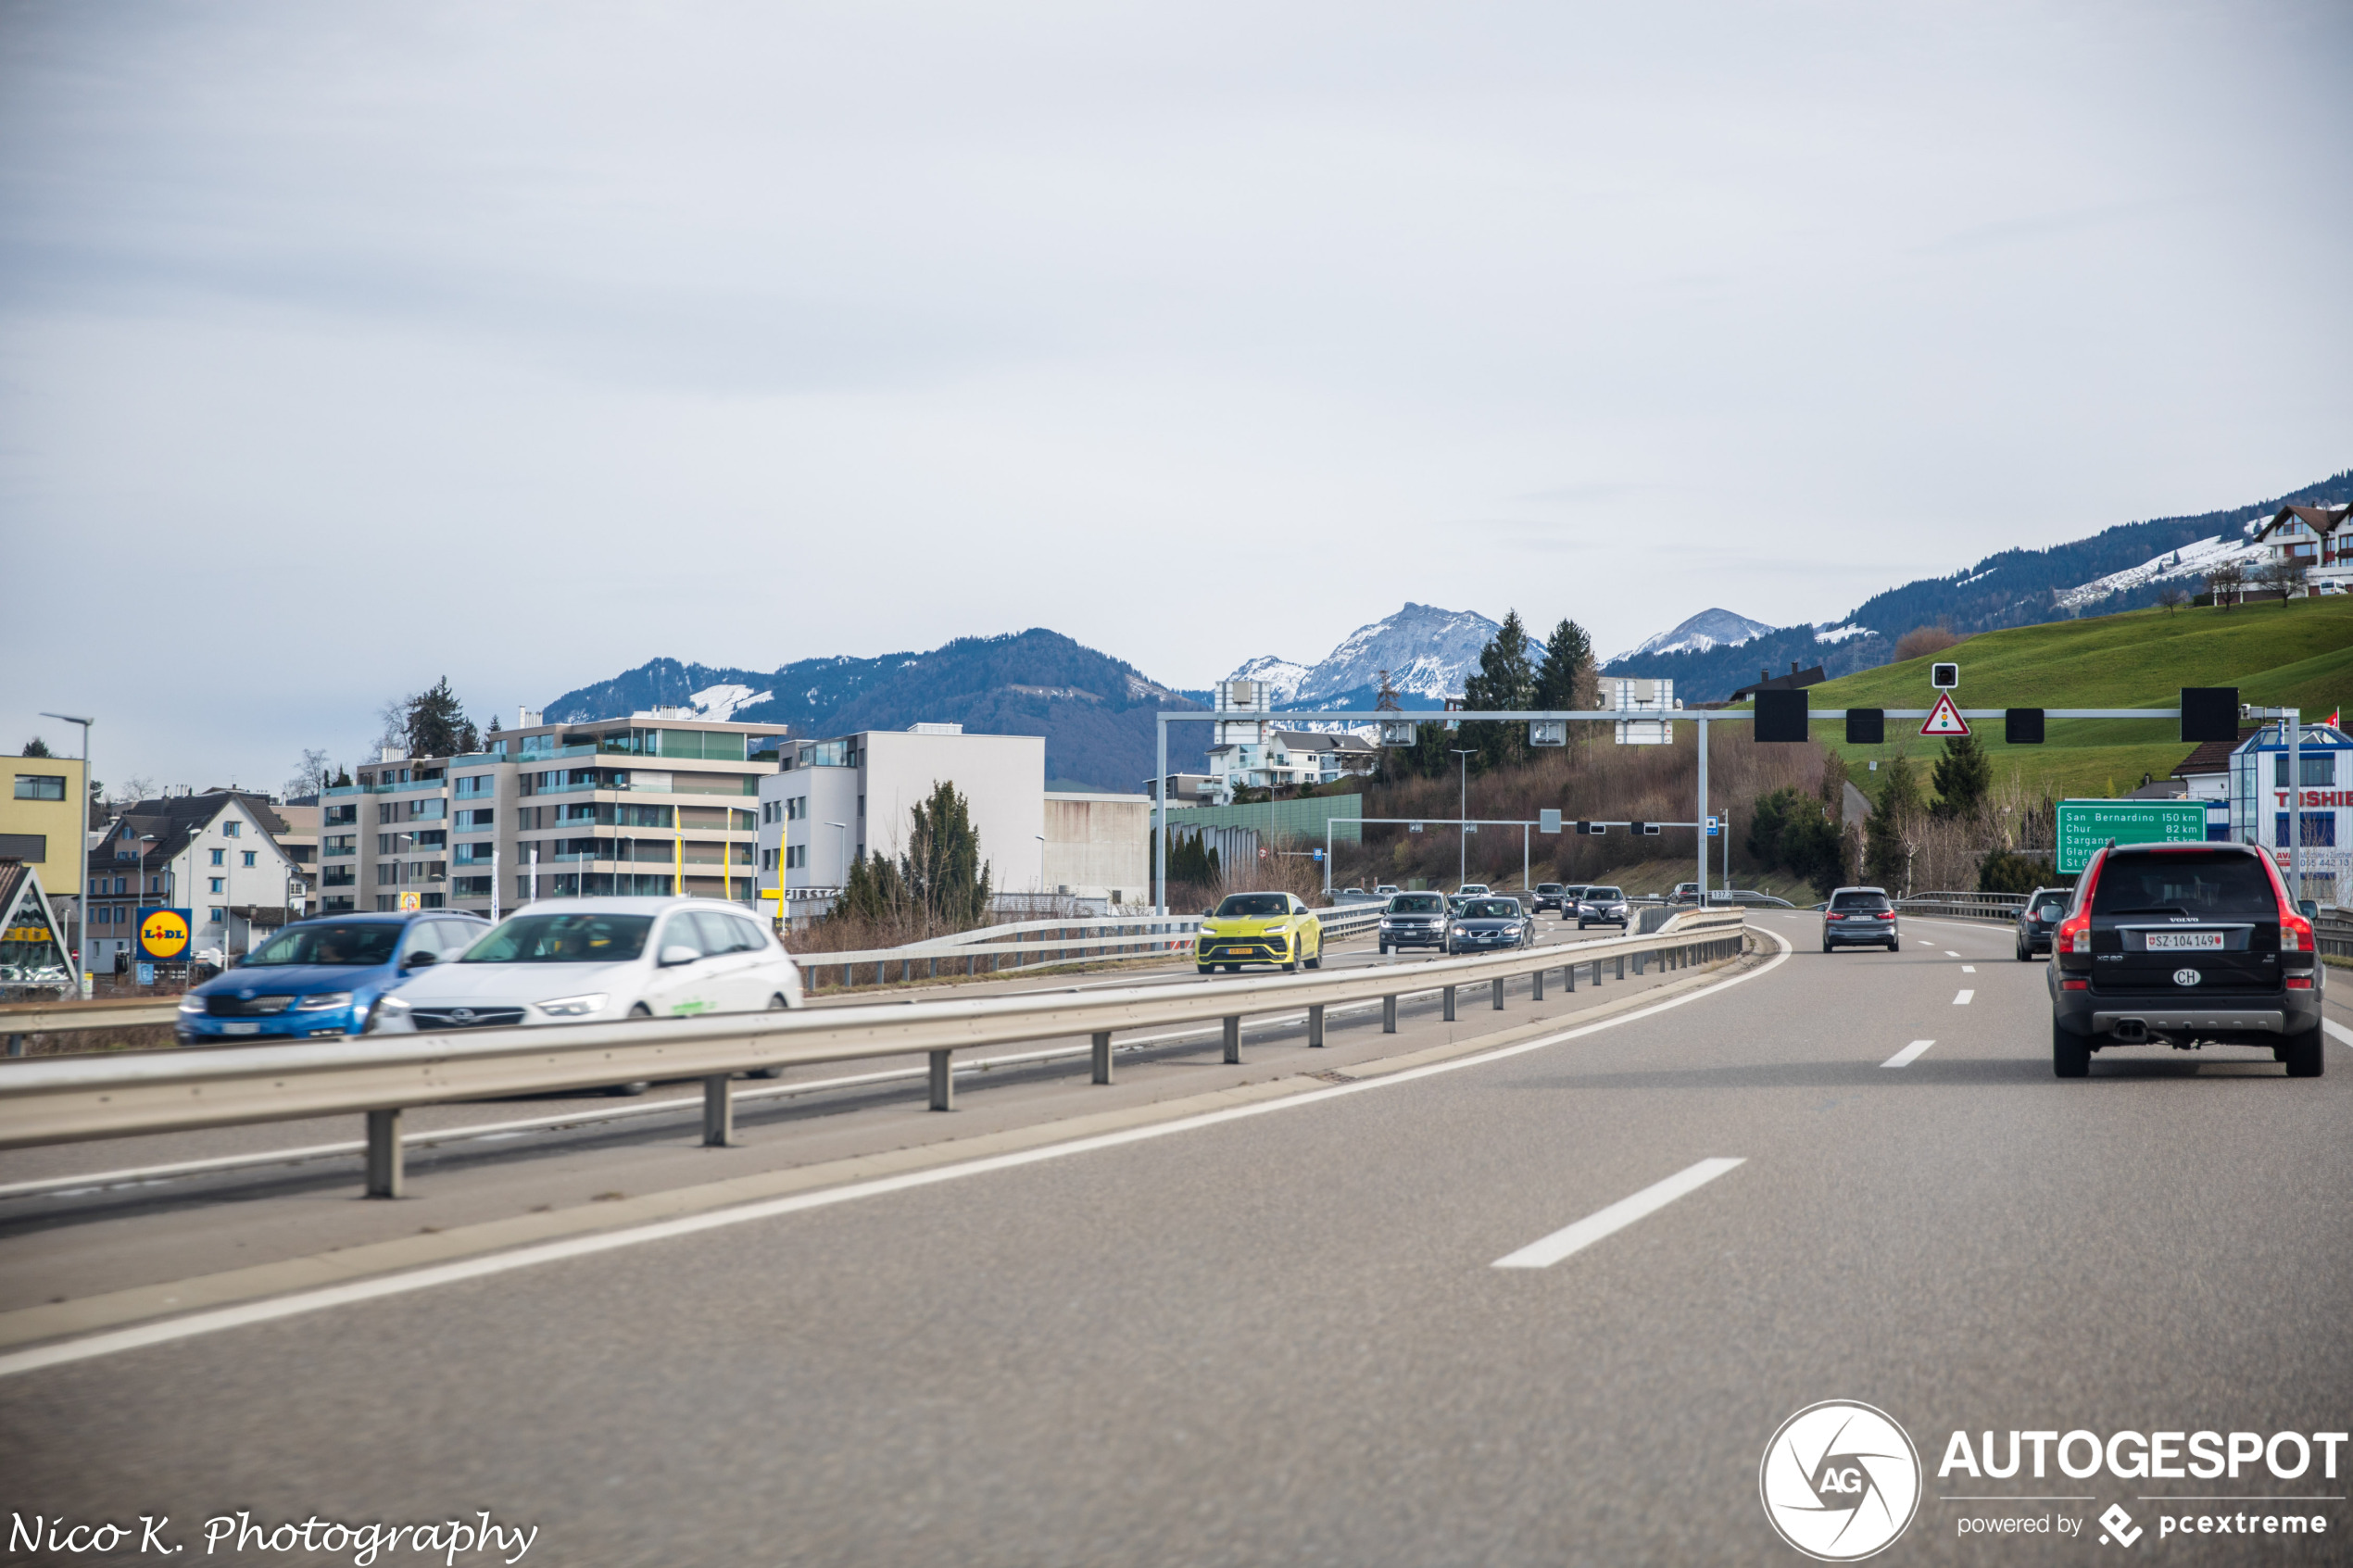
(342, 346)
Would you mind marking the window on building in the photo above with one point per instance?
(2319, 829)
(217, 916)
(220, 857)
(40, 787)
(231, 829)
(249, 856)
(217, 885)
(2317, 769)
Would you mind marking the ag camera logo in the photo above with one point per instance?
(1840, 1481)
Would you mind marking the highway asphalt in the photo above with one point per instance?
(1277, 1334)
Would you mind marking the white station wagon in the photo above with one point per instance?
(579, 960)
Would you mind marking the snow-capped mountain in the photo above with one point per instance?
(1429, 652)
(1708, 628)
(2191, 561)
(1281, 676)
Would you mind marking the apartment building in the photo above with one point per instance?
(41, 820)
(834, 800)
(226, 855)
(658, 802)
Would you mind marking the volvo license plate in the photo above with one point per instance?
(2183, 941)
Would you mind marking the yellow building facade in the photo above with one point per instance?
(40, 820)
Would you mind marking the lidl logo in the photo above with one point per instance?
(163, 934)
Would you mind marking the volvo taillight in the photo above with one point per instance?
(2296, 932)
(2074, 933)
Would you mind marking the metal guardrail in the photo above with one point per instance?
(74, 1099)
(2332, 933)
(46, 1018)
(1060, 941)
(1964, 906)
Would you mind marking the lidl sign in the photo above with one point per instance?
(2085, 825)
(164, 935)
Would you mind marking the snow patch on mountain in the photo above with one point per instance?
(1282, 677)
(1840, 633)
(2191, 561)
(1708, 628)
(1429, 653)
(718, 703)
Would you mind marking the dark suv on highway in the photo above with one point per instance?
(1860, 917)
(2037, 917)
(2184, 944)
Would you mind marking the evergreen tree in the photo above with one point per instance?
(872, 891)
(435, 725)
(943, 869)
(1191, 861)
(1887, 836)
(1962, 776)
(1507, 679)
(1566, 676)
(36, 746)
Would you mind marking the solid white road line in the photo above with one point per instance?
(113, 1341)
(1908, 1055)
(2338, 1032)
(1616, 1217)
(1960, 999)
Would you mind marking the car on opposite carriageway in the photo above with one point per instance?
(578, 961)
(1485, 925)
(1601, 905)
(1415, 920)
(1274, 928)
(2185, 944)
(323, 976)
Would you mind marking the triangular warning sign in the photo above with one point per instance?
(1944, 719)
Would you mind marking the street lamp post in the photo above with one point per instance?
(1462, 828)
(80, 837)
(843, 845)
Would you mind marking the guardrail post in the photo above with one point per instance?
(1638, 964)
(1536, 991)
(1499, 993)
(943, 1081)
(1389, 1015)
(1450, 1004)
(718, 1112)
(386, 1176)
(1233, 1039)
(1316, 1025)
(16, 1045)
(1103, 1055)
(1597, 971)
(1621, 966)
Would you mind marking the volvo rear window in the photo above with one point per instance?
(1859, 901)
(2198, 882)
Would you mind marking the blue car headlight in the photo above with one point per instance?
(323, 1000)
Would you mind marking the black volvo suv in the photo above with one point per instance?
(2184, 944)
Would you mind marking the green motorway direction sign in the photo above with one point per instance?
(2085, 825)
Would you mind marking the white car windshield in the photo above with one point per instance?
(586, 937)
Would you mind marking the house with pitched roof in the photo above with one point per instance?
(218, 854)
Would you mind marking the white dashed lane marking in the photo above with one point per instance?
(1543, 1254)
(1960, 999)
(1908, 1055)
(1950, 954)
(1968, 969)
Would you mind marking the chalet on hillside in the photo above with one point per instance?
(2317, 539)
(1767, 681)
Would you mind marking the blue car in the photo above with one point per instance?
(321, 977)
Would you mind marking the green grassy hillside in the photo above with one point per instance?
(2299, 653)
